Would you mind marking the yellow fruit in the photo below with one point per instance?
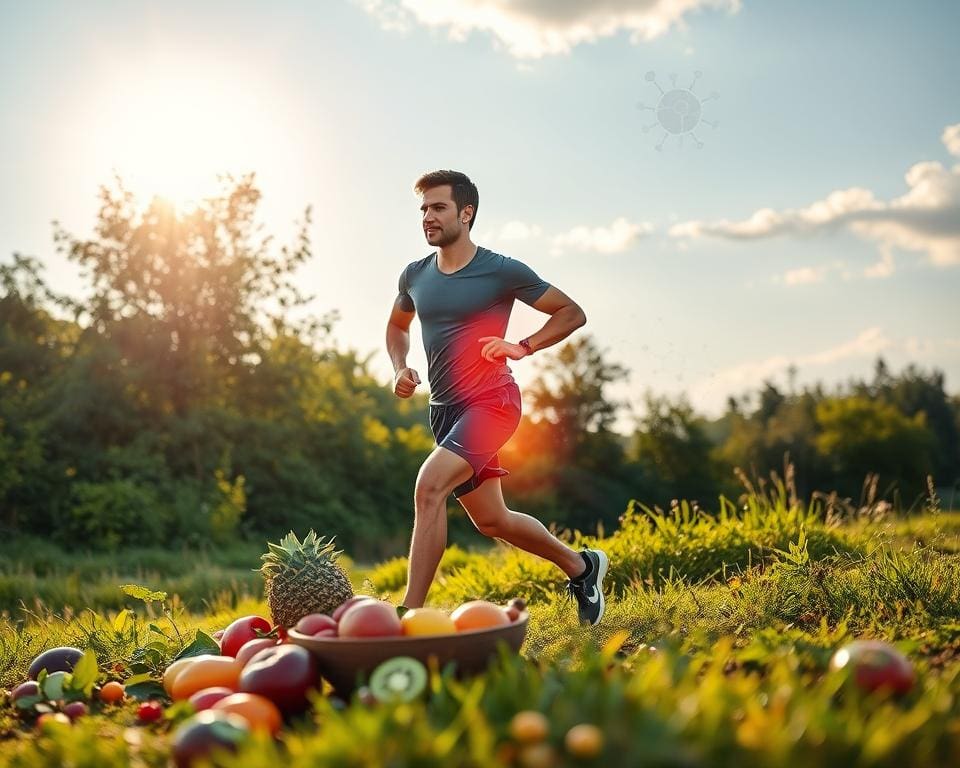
(529, 727)
(479, 614)
(206, 672)
(584, 740)
(427, 621)
(171, 672)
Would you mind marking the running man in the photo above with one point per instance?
(464, 294)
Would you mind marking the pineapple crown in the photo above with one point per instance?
(293, 553)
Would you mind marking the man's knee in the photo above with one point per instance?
(429, 493)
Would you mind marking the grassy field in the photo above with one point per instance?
(714, 649)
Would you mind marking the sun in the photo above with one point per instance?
(170, 133)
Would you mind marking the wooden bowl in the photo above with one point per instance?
(348, 662)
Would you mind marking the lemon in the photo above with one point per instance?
(427, 621)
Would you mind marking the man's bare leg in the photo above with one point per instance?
(442, 471)
(490, 515)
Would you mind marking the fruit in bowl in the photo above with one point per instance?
(370, 618)
(427, 621)
(479, 614)
(428, 635)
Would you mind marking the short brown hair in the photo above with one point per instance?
(463, 191)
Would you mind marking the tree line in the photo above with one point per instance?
(190, 397)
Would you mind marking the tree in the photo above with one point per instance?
(858, 436)
(671, 445)
(570, 461)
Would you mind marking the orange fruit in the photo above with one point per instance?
(529, 727)
(584, 740)
(259, 711)
(111, 692)
(175, 668)
(206, 672)
(427, 621)
(479, 614)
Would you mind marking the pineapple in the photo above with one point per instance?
(303, 577)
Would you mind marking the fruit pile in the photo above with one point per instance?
(362, 616)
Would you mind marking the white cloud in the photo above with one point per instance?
(884, 267)
(616, 238)
(513, 231)
(710, 393)
(951, 139)
(805, 275)
(925, 219)
(735, 379)
(532, 29)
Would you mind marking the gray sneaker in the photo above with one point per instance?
(588, 590)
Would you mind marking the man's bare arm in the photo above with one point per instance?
(398, 344)
(565, 317)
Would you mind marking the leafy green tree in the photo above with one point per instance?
(671, 445)
(858, 435)
(571, 463)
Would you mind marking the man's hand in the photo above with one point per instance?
(496, 347)
(405, 382)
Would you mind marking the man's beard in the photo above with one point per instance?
(446, 238)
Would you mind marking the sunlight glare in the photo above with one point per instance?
(171, 133)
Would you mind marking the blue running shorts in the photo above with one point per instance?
(477, 429)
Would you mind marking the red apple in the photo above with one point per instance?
(344, 606)
(370, 618)
(283, 674)
(314, 622)
(875, 664)
(240, 632)
(252, 647)
(325, 633)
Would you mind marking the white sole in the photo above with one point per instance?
(604, 562)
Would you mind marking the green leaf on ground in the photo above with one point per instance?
(143, 593)
(201, 644)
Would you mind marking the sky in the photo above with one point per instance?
(728, 188)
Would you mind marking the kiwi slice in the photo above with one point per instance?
(401, 678)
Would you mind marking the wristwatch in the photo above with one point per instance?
(525, 343)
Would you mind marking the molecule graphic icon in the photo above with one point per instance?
(679, 110)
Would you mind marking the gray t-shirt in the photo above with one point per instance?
(456, 310)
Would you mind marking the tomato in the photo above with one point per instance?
(112, 692)
(252, 647)
(149, 712)
(205, 698)
(259, 711)
(240, 632)
(206, 672)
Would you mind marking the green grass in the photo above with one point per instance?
(744, 609)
